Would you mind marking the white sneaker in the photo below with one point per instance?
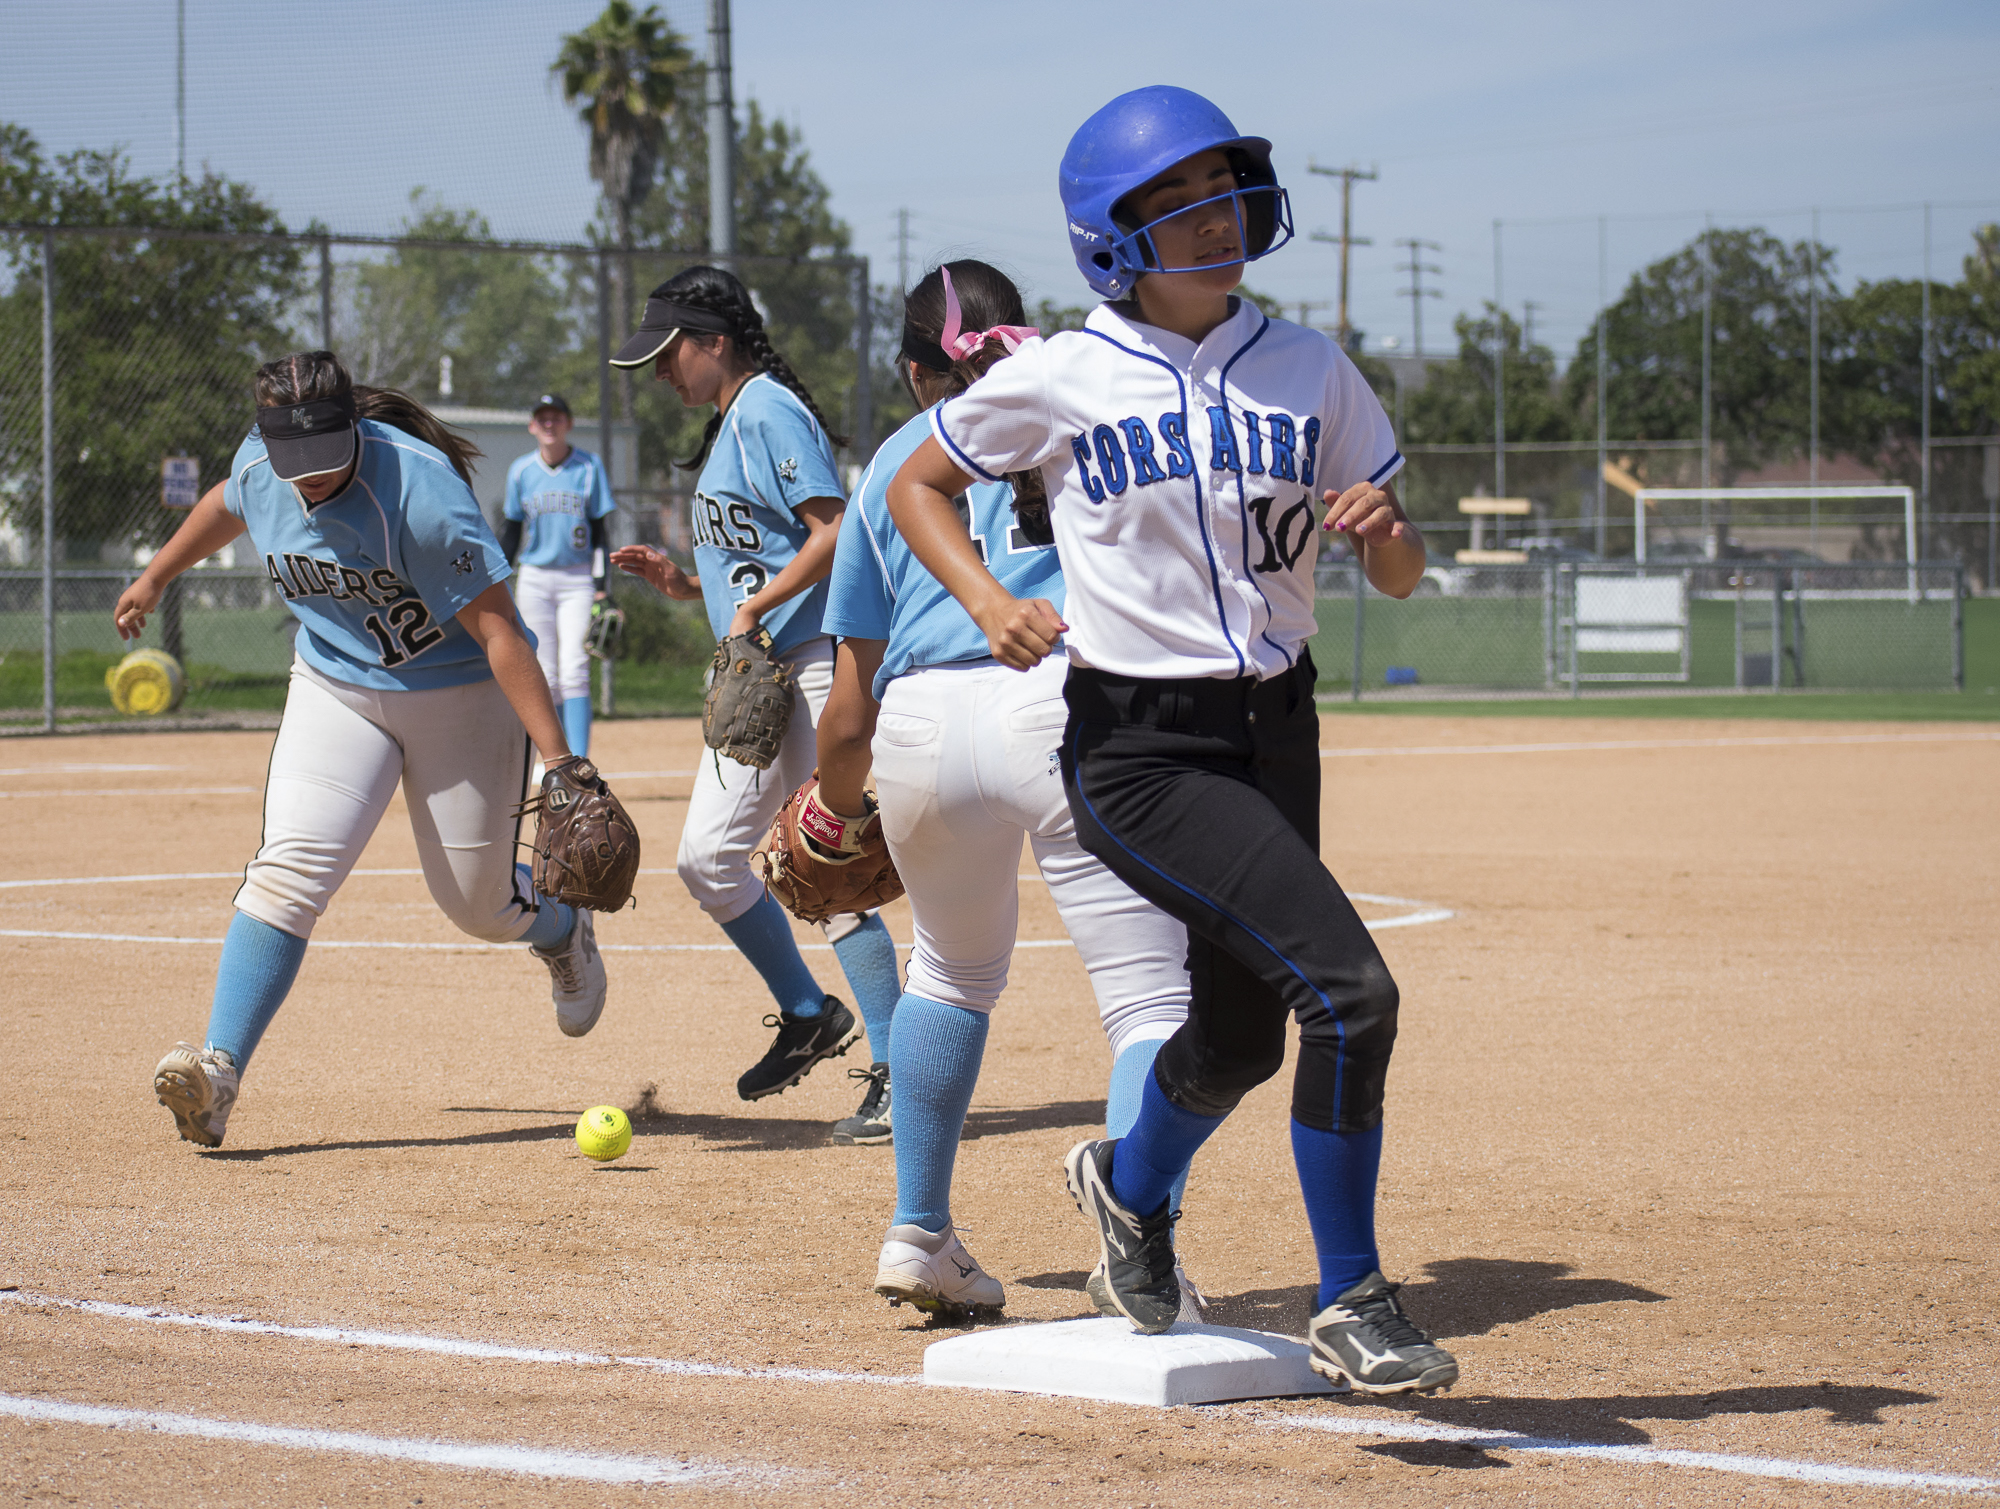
(199, 1086)
(1194, 1304)
(936, 1274)
(577, 973)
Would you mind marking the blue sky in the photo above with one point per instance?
(1542, 113)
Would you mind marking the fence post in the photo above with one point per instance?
(606, 694)
(1360, 585)
(48, 482)
(1958, 627)
(864, 382)
(326, 293)
(1548, 627)
(1575, 628)
(1777, 630)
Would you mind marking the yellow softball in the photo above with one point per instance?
(603, 1133)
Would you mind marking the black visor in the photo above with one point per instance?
(925, 353)
(308, 439)
(663, 321)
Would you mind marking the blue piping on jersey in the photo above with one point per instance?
(1385, 468)
(1242, 505)
(938, 429)
(1200, 508)
(1339, 1027)
(868, 530)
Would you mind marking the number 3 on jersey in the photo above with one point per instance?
(408, 634)
(748, 579)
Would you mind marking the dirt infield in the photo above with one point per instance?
(1693, 1157)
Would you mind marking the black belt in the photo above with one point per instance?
(1194, 702)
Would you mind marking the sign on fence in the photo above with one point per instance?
(180, 481)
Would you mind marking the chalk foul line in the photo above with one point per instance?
(477, 1456)
(594, 1467)
(1599, 746)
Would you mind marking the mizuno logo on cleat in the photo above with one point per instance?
(965, 1270)
(1372, 1359)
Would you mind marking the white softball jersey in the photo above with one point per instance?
(1184, 480)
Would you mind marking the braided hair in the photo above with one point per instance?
(986, 297)
(721, 293)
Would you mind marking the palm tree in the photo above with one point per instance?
(626, 69)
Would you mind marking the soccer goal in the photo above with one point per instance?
(1647, 500)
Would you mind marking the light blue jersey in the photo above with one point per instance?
(376, 574)
(879, 590)
(555, 505)
(769, 457)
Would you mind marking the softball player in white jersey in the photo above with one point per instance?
(1186, 442)
(964, 751)
(767, 509)
(558, 499)
(411, 667)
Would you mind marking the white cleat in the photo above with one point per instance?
(576, 973)
(936, 1274)
(199, 1086)
(1194, 1304)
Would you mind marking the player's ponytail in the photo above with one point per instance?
(986, 300)
(716, 292)
(307, 375)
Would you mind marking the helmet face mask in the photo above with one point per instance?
(1136, 139)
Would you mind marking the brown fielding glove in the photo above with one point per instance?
(749, 701)
(586, 849)
(820, 864)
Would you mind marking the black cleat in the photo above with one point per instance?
(869, 1125)
(1366, 1337)
(1137, 1254)
(802, 1041)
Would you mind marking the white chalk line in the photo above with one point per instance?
(1500, 1440)
(519, 1461)
(155, 791)
(1576, 746)
(84, 769)
(1758, 1467)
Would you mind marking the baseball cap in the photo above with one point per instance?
(552, 401)
(663, 320)
(308, 439)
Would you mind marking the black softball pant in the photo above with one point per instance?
(1203, 796)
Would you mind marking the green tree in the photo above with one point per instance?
(512, 324)
(1455, 404)
(1759, 293)
(626, 69)
(156, 337)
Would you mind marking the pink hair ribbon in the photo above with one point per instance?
(958, 346)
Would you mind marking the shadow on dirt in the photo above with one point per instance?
(1003, 1121)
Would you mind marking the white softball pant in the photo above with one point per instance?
(966, 764)
(731, 807)
(462, 757)
(554, 602)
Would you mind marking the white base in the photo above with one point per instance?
(1106, 1359)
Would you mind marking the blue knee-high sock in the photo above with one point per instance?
(1130, 1072)
(259, 963)
(934, 1055)
(868, 958)
(764, 936)
(552, 925)
(576, 724)
(1155, 1154)
(1337, 1174)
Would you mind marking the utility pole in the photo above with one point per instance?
(1416, 293)
(180, 90)
(1528, 308)
(1343, 329)
(721, 140)
(1499, 372)
(902, 253)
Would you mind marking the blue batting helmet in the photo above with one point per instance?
(1133, 140)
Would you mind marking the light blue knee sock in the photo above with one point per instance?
(1129, 1073)
(1154, 1155)
(1337, 1173)
(868, 958)
(259, 963)
(576, 724)
(934, 1055)
(764, 936)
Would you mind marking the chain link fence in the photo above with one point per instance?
(1564, 628)
(123, 351)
